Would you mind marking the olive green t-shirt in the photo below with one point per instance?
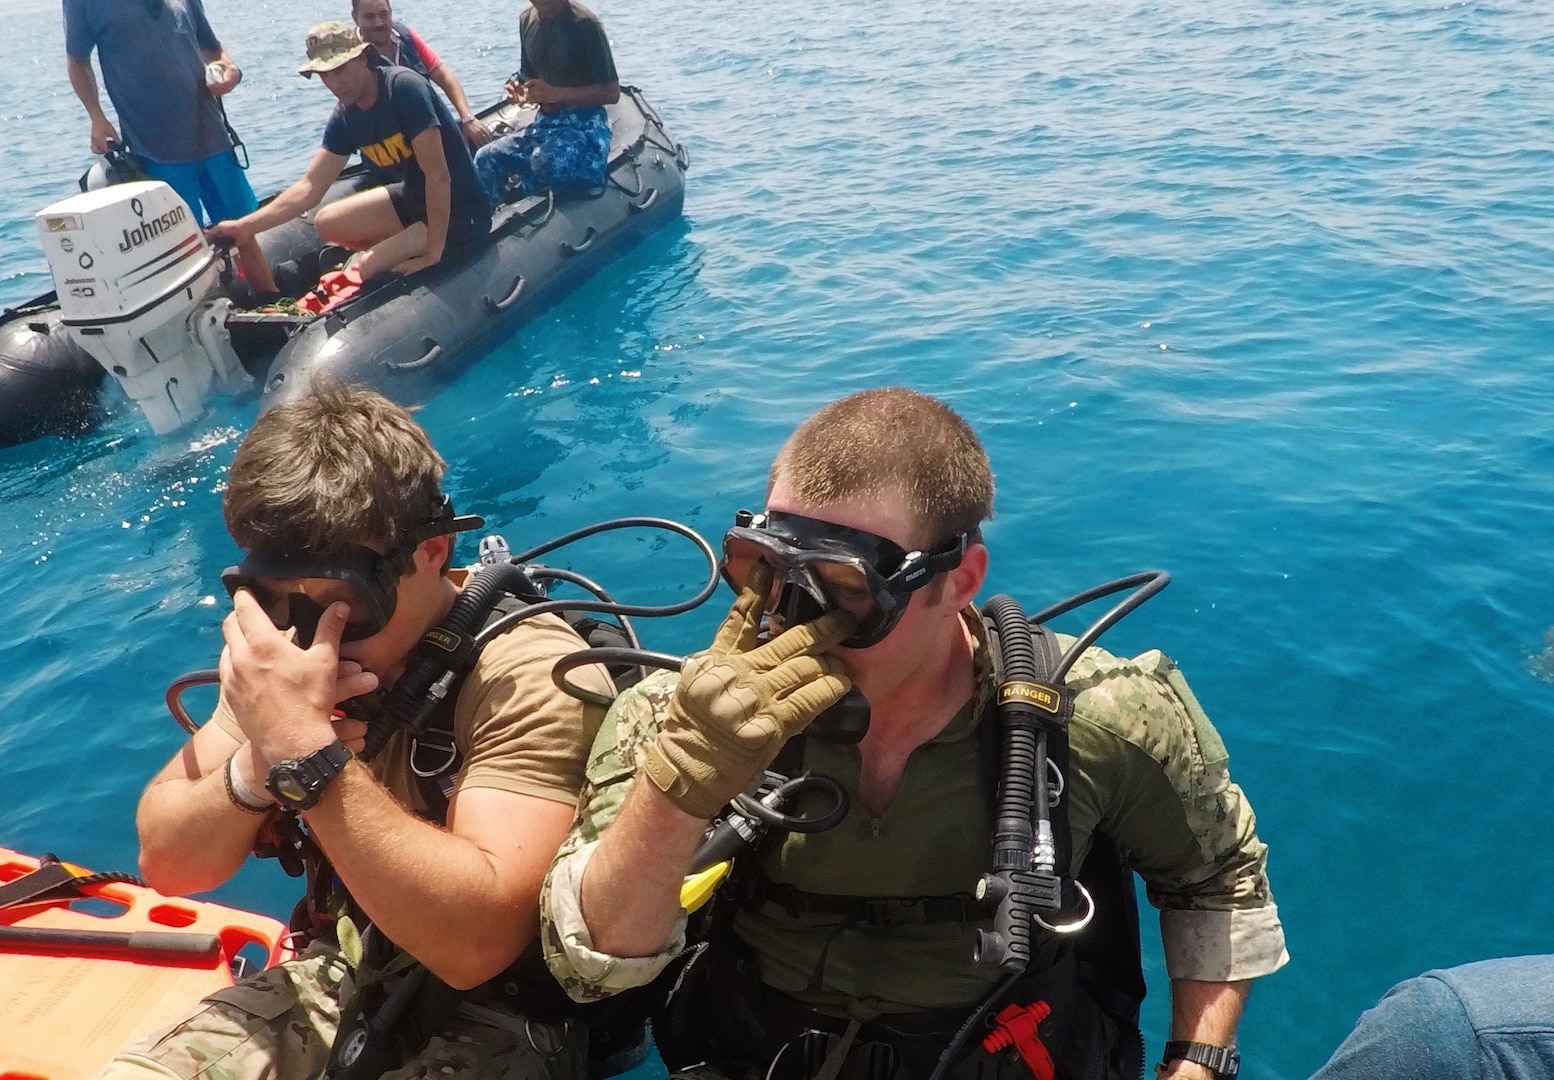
(565, 49)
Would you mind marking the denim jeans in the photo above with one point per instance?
(1493, 1020)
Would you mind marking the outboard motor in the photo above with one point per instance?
(138, 290)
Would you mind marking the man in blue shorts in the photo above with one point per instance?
(430, 203)
(403, 47)
(566, 68)
(154, 55)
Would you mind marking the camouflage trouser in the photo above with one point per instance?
(280, 1025)
(569, 148)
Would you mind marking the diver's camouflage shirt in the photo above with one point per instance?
(1146, 768)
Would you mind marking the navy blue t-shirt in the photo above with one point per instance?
(406, 106)
(153, 72)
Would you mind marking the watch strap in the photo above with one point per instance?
(1223, 1061)
(313, 771)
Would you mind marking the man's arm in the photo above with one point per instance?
(427, 147)
(540, 92)
(192, 835)
(610, 915)
(462, 900)
(1142, 746)
(212, 51)
(231, 74)
(582, 966)
(631, 888)
(472, 128)
(296, 200)
(1205, 1012)
(84, 82)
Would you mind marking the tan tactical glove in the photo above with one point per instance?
(739, 701)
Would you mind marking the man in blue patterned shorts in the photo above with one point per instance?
(567, 70)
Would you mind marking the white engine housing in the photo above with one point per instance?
(135, 280)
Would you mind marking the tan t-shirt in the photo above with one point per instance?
(516, 730)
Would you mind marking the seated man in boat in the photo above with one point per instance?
(849, 952)
(403, 47)
(430, 203)
(166, 73)
(440, 842)
(567, 69)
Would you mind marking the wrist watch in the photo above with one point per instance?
(298, 783)
(1223, 1061)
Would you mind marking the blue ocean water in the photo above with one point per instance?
(1260, 295)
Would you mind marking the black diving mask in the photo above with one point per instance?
(820, 567)
(373, 579)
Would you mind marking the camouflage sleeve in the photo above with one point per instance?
(1150, 772)
(584, 973)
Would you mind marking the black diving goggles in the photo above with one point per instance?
(373, 578)
(819, 567)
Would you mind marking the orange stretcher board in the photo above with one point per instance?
(65, 1010)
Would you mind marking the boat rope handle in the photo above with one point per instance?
(544, 215)
(648, 200)
(433, 351)
(510, 299)
(589, 235)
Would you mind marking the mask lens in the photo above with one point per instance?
(846, 586)
(740, 557)
(293, 608)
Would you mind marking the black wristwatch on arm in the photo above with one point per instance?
(1223, 1061)
(298, 783)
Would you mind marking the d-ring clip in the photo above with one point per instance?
(1078, 924)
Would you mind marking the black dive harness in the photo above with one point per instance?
(1066, 943)
(399, 1005)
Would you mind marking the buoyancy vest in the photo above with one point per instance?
(1090, 983)
(525, 987)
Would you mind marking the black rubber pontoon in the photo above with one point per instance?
(407, 333)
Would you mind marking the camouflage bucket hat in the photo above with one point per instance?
(331, 44)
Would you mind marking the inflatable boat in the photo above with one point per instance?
(141, 297)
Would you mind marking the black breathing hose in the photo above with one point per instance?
(427, 679)
(606, 607)
(1016, 886)
(188, 681)
(1145, 585)
(552, 573)
(749, 818)
(409, 703)
(1023, 879)
(607, 655)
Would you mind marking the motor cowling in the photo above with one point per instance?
(138, 290)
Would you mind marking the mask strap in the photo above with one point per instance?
(443, 522)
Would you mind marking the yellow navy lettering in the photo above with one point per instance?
(391, 151)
